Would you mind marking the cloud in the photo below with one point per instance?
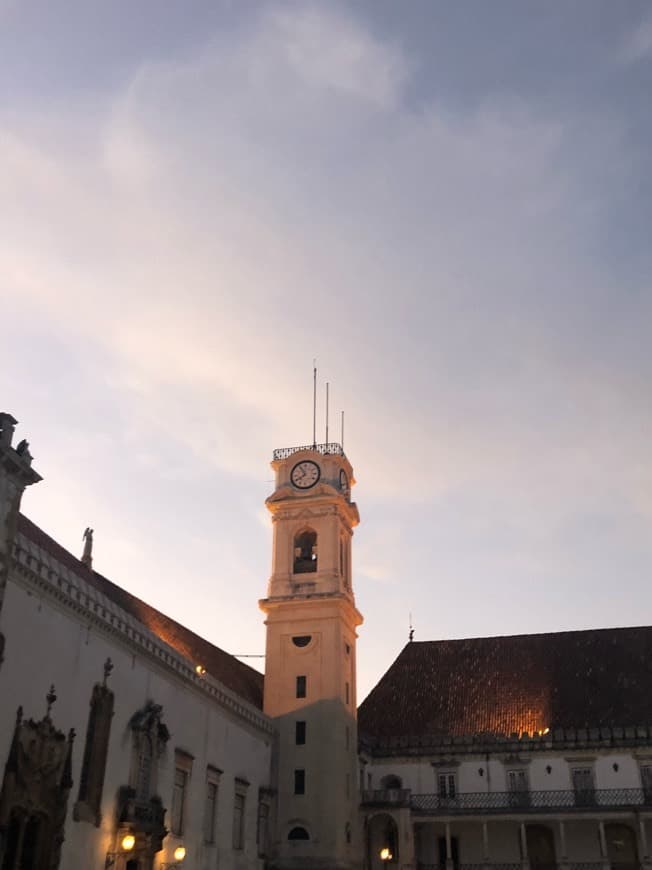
(638, 45)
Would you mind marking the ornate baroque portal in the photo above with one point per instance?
(34, 796)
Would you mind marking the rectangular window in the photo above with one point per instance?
(178, 800)
(299, 733)
(646, 782)
(210, 806)
(447, 785)
(299, 781)
(583, 786)
(517, 785)
(238, 820)
(346, 693)
(262, 830)
(301, 687)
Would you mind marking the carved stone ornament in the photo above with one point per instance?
(34, 797)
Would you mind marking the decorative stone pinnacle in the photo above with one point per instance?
(50, 698)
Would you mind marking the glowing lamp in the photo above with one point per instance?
(128, 842)
(385, 854)
(179, 853)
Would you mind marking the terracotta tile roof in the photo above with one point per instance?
(235, 675)
(507, 685)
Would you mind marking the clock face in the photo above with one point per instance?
(305, 474)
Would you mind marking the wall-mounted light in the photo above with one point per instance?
(385, 854)
(126, 845)
(548, 769)
(481, 771)
(179, 856)
(200, 670)
(615, 765)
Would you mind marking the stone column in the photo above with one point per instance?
(563, 854)
(643, 847)
(15, 474)
(485, 844)
(449, 851)
(604, 853)
(525, 861)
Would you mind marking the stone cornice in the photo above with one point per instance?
(36, 569)
(559, 739)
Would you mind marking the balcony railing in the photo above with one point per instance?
(530, 801)
(395, 797)
(331, 448)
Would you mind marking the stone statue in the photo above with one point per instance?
(87, 555)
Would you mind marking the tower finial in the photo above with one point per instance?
(51, 697)
(411, 634)
(314, 403)
(327, 387)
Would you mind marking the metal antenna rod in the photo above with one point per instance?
(342, 431)
(314, 403)
(327, 385)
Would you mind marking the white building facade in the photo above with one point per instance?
(128, 742)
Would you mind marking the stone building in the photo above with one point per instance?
(128, 742)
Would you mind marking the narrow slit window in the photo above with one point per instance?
(301, 687)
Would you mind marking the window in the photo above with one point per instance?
(301, 687)
(302, 640)
(182, 769)
(299, 781)
(298, 834)
(447, 785)
(91, 781)
(144, 765)
(391, 781)
(347, 693)
(300, 733)
(305, 552)
(646, 782)
(210, 805)
(583, 786)
(517, 785)
(455, 851)
(239, 807)
(262, 828)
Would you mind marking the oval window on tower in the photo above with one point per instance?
(302, 639)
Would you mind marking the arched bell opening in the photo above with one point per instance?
(305, 552)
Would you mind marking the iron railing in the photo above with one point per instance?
(331, 448)
(560, 865)
(530, 801)
(386, 797)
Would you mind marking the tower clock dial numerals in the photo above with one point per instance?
(305, 474)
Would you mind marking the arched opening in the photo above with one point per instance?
(540, 847)
(621, 846)
(305, 552)
(391, 782)
(298, 833)
(382, 833)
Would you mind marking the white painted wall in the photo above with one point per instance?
(46, 643)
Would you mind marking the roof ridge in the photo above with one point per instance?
(238, 676)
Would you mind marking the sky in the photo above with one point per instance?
(448, 205)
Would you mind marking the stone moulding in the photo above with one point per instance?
(473, 744)
(41, 571)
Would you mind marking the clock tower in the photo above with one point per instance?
(310, 670)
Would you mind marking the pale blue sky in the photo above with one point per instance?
(448, 204)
